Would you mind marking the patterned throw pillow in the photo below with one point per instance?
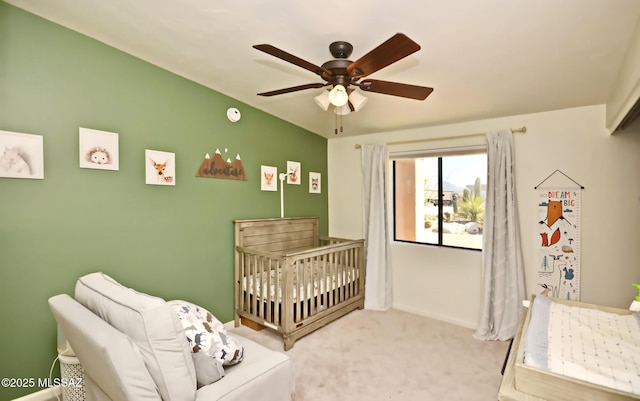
(207, 334)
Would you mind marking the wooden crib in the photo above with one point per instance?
(290, 279)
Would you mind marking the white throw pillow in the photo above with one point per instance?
(207, 334)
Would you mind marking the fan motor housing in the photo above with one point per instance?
(340, 49)
(339, 73)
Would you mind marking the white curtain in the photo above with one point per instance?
(378, 289)
(503, 268)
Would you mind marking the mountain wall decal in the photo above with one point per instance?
(217, 167)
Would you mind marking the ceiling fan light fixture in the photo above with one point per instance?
(322, 100)
(344, 74)
(338, 96)
(357, 100)
(342, 110)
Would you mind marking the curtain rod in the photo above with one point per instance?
(521, 130)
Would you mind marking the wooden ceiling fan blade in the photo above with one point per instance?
(281, 54)
(395, 48)
(395, 89)
(292, 89)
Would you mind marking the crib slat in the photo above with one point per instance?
(254, 277)
(344, 275)
(308, 294)
(336, 261)
(304, 307)
(299, 291)
(269, 298)
(247, 278)
(315, 294)
(256, 284)
(347, 276)
(315, 285)
(264, 290)
(318, 282)
(356, 276)
(241, 282)
(332, 277)
(324, 278)
(251, 282)
(342, 270)
(247, 283)
(277, 299)
(340, 280)
(352, 276)
(305, 289)
(295, 292)
(311, 280)
(337, 278)
(255, 305)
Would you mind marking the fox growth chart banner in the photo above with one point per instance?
(559, 243)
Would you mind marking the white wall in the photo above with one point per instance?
(446, 283)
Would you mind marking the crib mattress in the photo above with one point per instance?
(311, 283)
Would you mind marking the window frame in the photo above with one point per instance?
(439, 154)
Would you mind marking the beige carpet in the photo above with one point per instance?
(391, 355)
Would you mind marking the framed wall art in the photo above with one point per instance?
(98, 149)
(21, 155)
(314, 183)
(269, 180)
(160, 167)
(293, 170)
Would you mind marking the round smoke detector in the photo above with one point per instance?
(233, 114)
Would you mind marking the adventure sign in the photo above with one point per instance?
(217, 167)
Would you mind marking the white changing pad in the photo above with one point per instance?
(586, 344)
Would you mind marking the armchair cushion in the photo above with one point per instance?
(108, 357)
(152, 325)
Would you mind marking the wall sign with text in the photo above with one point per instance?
(218, 167)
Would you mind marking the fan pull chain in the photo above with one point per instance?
(336, 118)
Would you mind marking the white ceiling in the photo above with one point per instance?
(485, 59)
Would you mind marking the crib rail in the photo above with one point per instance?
(324, 277)
(256, 276)
(288, 291)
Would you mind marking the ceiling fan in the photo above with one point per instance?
(342, 73)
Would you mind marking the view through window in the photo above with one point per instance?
(440, 200)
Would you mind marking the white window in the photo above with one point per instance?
(439, 198)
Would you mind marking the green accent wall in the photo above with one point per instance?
(175, 242)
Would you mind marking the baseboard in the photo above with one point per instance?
(443, 318)
(47, 394)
